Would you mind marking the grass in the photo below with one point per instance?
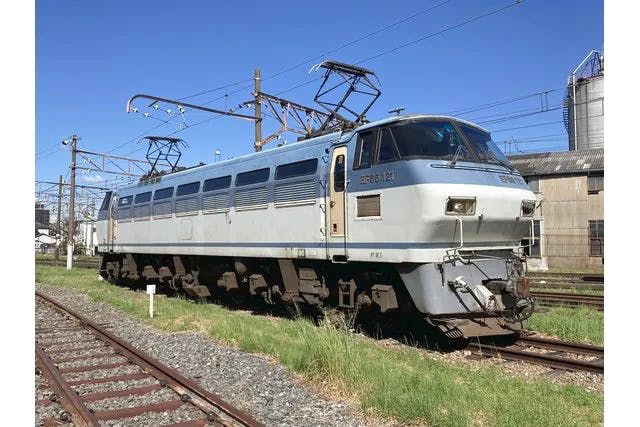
(403, 384)
(574, 324)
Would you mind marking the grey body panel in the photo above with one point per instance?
(430, 292)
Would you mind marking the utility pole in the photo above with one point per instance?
(258, 123)
(59, 228)
(72, 192)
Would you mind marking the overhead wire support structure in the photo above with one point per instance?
(307, 120)
(72, 184)
(181, 105)
(133, 168)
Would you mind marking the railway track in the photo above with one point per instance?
(562, 355)
(568, 299)
(85, 366)
(61, 263)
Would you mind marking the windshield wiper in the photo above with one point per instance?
(453, 161)
(503, 163)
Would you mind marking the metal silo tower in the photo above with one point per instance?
(584, 104)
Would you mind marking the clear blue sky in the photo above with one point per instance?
(92, 56)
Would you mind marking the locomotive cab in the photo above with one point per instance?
(450, 212)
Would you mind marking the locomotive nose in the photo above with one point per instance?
(477, 216)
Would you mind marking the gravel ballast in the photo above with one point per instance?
(248, 381)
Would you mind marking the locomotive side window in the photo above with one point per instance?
(365, 149)
(252, 177)
(106, 201)
(290, 170)
(165, 193)
(388, 151)
(143, 197)
(125, 201)
(217, 183)
(338, 174)
(191, 188)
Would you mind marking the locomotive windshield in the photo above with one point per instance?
(485, 148)
(432, 139)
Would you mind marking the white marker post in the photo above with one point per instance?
(151, 289)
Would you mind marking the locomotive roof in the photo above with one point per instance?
(402, 117)
(335, 136)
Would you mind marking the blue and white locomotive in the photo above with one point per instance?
(416, 214)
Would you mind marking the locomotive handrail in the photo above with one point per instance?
(532, 237)
(459, 220)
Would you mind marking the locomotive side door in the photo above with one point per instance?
(111, 224)
(337, 241)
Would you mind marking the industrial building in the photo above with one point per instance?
(585, 102)
(569, 185)
(569, 225)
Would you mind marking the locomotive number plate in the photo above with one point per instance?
(511, 179)
(377, 177)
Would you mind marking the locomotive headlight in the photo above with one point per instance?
(528, 207)
(461, 206)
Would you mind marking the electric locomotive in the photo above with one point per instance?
(412, 214)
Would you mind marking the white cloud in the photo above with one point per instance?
(93, 179)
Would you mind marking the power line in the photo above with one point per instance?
(385, 52)
(528, 126)
(324, 54)
(452, 27)
(499, 103)
(290, 68)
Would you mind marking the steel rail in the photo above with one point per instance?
(548, 360)
(569, 298)
(541, 286)
(552, 344)
(69, 399)
(78, 264)
(182, 385)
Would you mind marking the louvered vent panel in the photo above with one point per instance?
(141, 213)
(187, 206)
(124, 214)
(216, 203)
(295, 193)
(368, 205)
(162, 209)
(255, 198)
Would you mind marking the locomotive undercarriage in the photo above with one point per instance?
(273, 280)
(374, 287)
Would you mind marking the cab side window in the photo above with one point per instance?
(388, 151)
(365, 149)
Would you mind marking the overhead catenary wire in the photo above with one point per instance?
(501, 102)
(385, 52)
(528, 126)
(283, 71)
(388, 51)
(324, 54)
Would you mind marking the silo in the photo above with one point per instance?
(584, 104)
